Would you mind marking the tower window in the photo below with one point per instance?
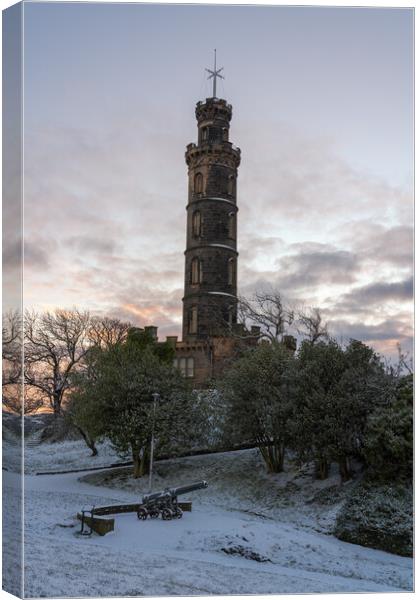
(215, 134)
(196, 274)
(192, 320)
(231, 226)
(231, 271)
(196, 224)
(198, 183)
(225, 134)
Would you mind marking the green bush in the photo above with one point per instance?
(378, 516)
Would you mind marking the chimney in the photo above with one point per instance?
(172, 340)
(152, 331)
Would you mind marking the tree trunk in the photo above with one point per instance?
(273, 457)
(344, 467)
(140, 463)
(145, 467)
(137, 467)
(57, 404)
(90, 442)
(322, 468)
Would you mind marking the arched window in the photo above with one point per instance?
(231, 226)
(231, 271)
(195, 271)
(198, 183)
(225, 134)
(192, 320)
(196, 224)
(231, 185)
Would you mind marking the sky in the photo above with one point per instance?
(322, 111)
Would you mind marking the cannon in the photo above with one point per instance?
(165, 503)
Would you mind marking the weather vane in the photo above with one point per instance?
(215, 74)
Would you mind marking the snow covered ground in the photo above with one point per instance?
(248, 533)
(71, 454)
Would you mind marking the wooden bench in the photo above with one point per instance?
(103, 526)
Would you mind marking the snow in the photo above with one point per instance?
(248, 533)
(72, 454)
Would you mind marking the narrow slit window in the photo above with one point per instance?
(198, 183)
(231, 271)
(196, 224)
(192, 320)
(231, 226)
(231, 185)
(195, 271)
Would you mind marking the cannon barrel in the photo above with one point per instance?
(156, 496)
(191, 487)
(173, 492)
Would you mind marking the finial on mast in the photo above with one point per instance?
(215, 74)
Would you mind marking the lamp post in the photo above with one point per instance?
(155, 397)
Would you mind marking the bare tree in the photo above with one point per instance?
(268, 311)
(405, 361)
(311, 325)
(11, 348)
(12, 362)
(106, 332)
(22, 399)
(55, 344)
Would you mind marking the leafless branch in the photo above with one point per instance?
(311, 325)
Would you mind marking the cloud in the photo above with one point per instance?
(379, 244)
(111, 209)
(12, 253)
(316, 265)
(379, 293)
(36, 257)
(294, 181)
(384, 336)
(87, 244)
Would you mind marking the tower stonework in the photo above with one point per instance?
(211, 336)
(210, 286)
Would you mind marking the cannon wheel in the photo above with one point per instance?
(154, 514)
(178, 513)
(142, 514)
(167, 514)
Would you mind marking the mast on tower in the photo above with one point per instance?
(215, 74)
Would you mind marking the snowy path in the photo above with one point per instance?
(186, 556)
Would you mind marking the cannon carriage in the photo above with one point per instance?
(165, 502)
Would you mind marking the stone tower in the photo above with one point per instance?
(210, 289)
